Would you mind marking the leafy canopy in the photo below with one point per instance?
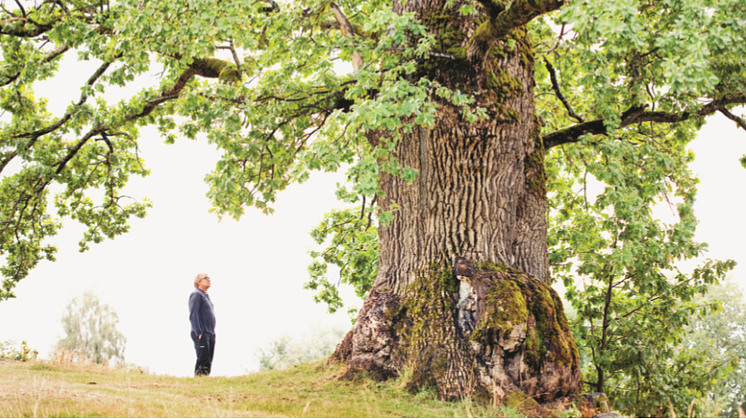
(277, 106)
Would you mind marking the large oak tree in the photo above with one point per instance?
(461, 121)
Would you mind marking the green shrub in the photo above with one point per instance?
(23, 353)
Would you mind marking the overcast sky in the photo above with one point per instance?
(257, 265)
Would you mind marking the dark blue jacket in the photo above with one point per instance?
(201, 313)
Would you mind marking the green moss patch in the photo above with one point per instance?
(430, 343)
(516, 315)
(549, 339)
(515, 299)
(213, 67)
(450, 39)
(505, 309)
(502, 84)
(519, 400)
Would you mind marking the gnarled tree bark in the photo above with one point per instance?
(461, 295)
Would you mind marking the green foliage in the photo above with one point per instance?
(351, 244)
(721, 335)
(505, 308)
(616, 259)
(667, 54)
(8, 350)
(618, 263)
(90, 329)
(281, 109)
(284, 351)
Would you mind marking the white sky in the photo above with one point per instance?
(257, 265)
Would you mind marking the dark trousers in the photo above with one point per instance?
(205, 348)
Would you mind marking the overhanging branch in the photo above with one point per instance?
(51, 55)
(66, 117)
(21, 31)
(209, 68)
(493, 7)
(521, 12)
(636, 115)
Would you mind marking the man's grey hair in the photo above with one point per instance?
(198, 278)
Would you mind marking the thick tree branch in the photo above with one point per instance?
(208, 68)
(518, 14)
(493, 7)
(211, 68)
(521, 12)
(636, 115)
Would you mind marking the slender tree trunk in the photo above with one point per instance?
(461, 297)
(600, 383)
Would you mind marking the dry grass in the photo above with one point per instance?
(67, 389)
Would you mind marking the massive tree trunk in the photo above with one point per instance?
(461, 296)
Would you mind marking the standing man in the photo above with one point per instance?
(202, 317)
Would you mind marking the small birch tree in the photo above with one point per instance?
(90, 329)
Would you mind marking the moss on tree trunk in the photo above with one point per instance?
(461, 296)
(521, 340)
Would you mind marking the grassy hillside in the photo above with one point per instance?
(54, 389)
